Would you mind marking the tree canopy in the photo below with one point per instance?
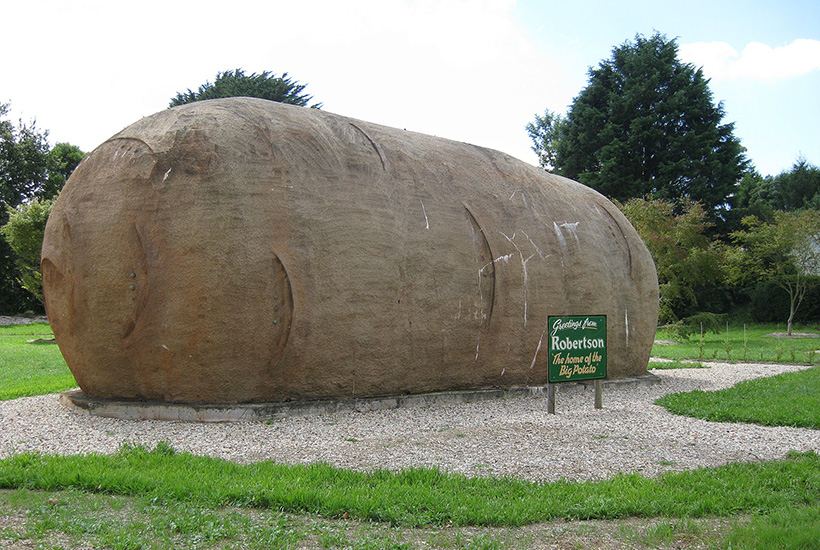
(646, 125)
(24, 232)
(545, 132)
(796, 188)
(790, 191)
(785, 251)
(29, 170)
(684, 256)
(236, 83)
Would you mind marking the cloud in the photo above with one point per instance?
(453, 68)
(461, 69)
(757, 61)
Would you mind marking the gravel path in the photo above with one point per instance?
(512, 437)
(7, 320)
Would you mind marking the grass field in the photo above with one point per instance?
(161, 499)
(744, 343)
(789, 399)
(422, 498)
(31, 368)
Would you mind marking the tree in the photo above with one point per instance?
(24, 163)
(24, 232)
(754, 192)
(646, 125)
(236, 83)
(29, 170)
(545, 132)
(786, 251)
(753, 196)
(685, 258)
(63, 159)
(795, 188)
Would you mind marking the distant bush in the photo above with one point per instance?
(684, 329)
(769, 302)
(24, 233)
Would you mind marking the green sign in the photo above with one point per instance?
(577, 347)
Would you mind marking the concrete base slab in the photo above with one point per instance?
(77, 401)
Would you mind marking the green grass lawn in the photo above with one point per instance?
(31, 369)
(789, 399)
(744, 343)
(418, 497)
(158, 499)
(772, 493)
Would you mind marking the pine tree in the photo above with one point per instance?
(237, 84)
(646, 125)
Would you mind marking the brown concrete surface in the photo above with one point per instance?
(241, 250)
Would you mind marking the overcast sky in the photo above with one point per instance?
(471, 70)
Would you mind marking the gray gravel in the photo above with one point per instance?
(512, 437)
(7, 320)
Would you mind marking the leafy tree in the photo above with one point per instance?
(685, 258)
(63, 159)
(786, 251)
(24, 162)
(545, 132)
(29, 170)
(646, 125)
(236, 83)
(24, 232)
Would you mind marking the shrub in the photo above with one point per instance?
(769, 302)
(24, 233)
(683, 329)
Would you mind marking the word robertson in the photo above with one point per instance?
(581, 343)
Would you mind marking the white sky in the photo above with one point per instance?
(470, 70)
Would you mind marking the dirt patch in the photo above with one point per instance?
(793, 335)
(42, 341)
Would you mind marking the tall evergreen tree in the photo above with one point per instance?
(646, 125)
(236, 83)
(794, 189)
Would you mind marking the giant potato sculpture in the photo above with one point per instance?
(241, 250)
